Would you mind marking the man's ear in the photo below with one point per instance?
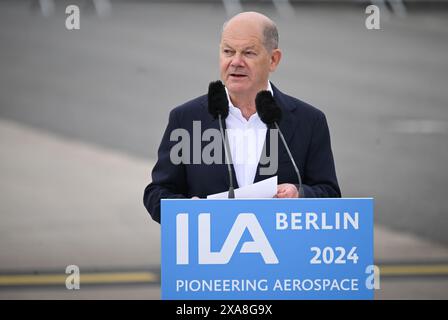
(276, 56)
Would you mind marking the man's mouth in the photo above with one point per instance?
(238, 75)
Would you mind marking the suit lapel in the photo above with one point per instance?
(210, 123)
(287, 122)
(287, 127)
(235, 182)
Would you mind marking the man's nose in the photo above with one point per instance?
(237, 60)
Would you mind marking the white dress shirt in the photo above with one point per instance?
(246, 141)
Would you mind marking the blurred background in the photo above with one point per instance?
(82, 113)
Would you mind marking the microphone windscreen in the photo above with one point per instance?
(267, 109)
(217, 100)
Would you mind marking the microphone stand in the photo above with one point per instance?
(231, 194)
(292, 159)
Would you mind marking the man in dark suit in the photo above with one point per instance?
(248, 54)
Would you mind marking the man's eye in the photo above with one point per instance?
(250, 53)
(227, 51)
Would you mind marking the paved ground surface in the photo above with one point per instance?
(82, 113)
(56, 213)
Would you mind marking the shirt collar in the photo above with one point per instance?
(269, 88)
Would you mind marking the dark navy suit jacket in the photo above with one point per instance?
(305, 130)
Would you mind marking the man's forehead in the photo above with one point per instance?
(240, 43)
(241, 38)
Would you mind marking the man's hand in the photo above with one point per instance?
(287, 190)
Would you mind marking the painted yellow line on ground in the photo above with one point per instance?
(152, 277)
(85, 278)
(408, 270)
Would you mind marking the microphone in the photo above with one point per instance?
(270, 113)
(218, 107)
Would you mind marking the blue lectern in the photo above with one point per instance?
(267, 249)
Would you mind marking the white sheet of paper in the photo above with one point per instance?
(263, 189)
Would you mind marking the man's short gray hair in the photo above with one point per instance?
(270, 35)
